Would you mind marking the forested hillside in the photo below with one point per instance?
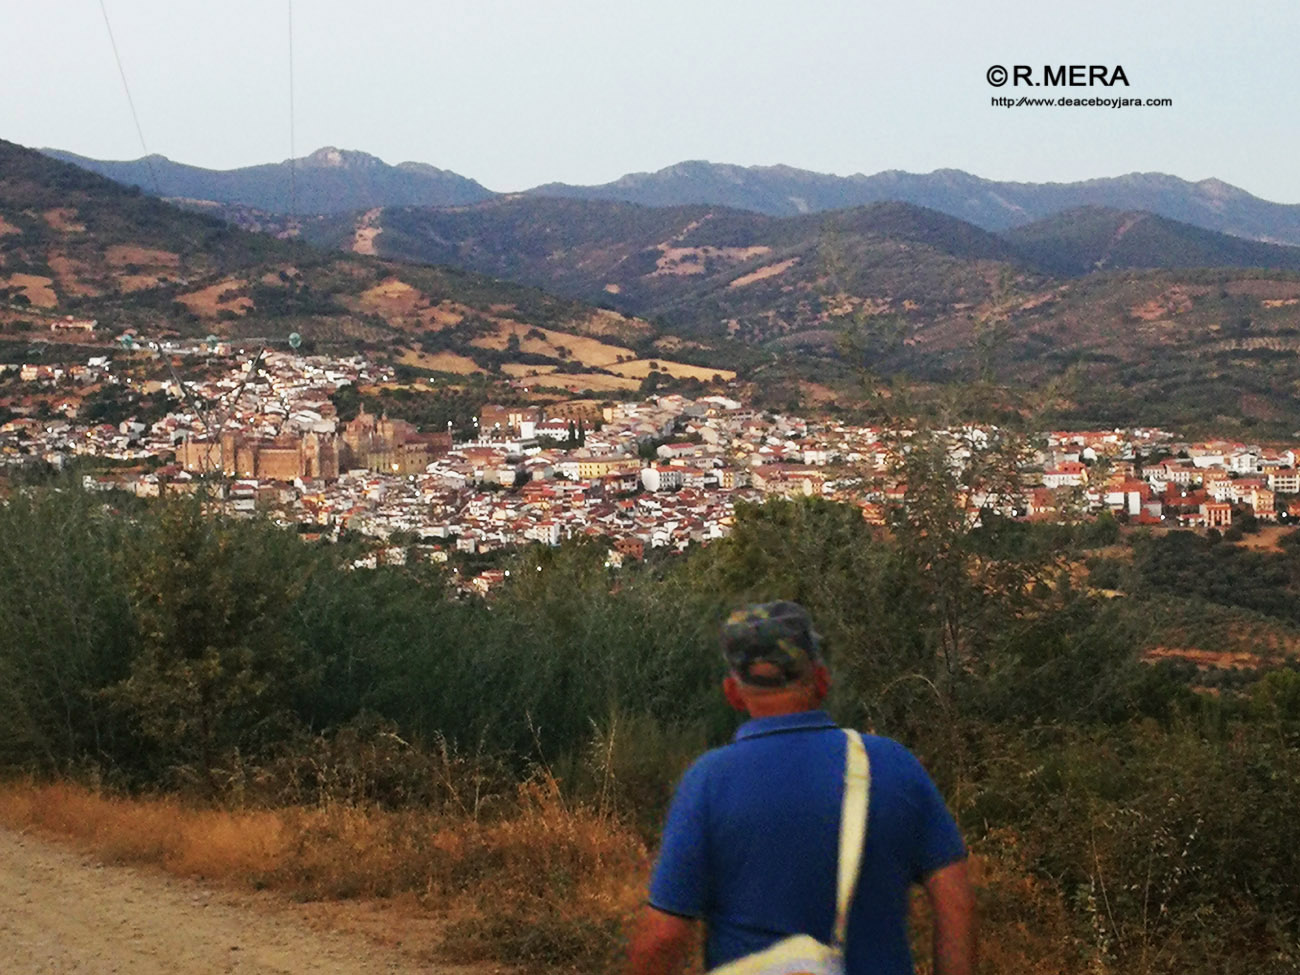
(1136, 319)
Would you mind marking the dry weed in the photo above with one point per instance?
(549, 886)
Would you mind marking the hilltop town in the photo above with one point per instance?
(262, 432)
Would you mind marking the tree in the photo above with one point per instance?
(347, 401)
(65, 629)
(219, 665)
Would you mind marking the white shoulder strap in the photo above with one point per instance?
(853, 828)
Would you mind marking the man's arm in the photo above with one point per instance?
(952, 904)
(659, 942)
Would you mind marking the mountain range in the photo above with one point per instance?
(327, 181)
(333, 181)
(801, 306)
(651, 260)
(74, 243)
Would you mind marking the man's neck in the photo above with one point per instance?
(776, 706)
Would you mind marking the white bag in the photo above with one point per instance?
(803, 954)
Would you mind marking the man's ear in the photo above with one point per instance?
(821, 681)
(731, 690)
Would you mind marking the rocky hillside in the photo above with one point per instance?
(327, 181)
(914, 292)
(76, 244)
(1088, 239)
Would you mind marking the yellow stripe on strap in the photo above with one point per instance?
(853, 828)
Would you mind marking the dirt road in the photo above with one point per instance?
(62, 912)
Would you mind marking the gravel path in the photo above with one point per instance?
(62, 912)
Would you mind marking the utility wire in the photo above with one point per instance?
(293, 182)
(153, 176)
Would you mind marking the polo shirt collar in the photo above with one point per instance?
(799, 721)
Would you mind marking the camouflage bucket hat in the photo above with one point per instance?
(778, 634)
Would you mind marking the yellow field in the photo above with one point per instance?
(694, 260)
(208, 304)
(441, 362)
(120, 255)
(70, 274)
(519, 369)
(580, 348)
(610, 324)
(64, 219)
(138, 282)
(577, 381)
(589, 352)
(402, 305)
(37, 289)
(764, 272)
(640, 368)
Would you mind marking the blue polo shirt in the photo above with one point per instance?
(752, 843)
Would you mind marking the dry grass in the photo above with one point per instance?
(440, 362)
(640, 368)
(64, 220)
(1024, 926)
(404, 306)
(604, 323)
(1219, 659)
(119, 255)
(138, 282)
(519, 370)
(770, 271)
(192, 842)
(558, 345)
(549, 885)
(71, 275)
(695, 260)
(39, 290)
(1266, 539)
(209, 302)
(589, 410)
(577, 382)
(273, 278)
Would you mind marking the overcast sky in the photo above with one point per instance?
(519, 92)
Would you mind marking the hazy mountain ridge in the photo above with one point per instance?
(993, 205)
(331, 181)
(1092, 238)
(327, 181)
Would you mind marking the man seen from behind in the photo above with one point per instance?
(751, 845)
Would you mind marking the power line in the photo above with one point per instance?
(153, 177)
(293, 182)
